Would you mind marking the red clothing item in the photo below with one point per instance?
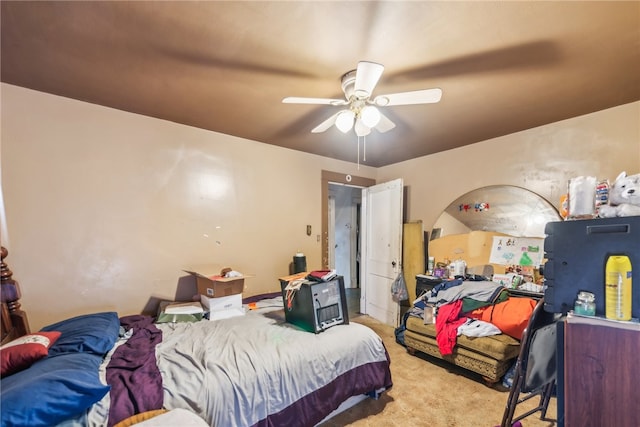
(447, 322)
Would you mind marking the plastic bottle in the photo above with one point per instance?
(459, 267)
(618, 288)
(431, 265)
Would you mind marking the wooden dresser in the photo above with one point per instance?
(601, 373)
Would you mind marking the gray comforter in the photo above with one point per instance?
(257, 369)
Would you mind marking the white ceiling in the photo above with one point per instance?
(226, 66)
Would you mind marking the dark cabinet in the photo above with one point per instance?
(601, 374)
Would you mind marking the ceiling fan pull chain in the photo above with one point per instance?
(364, 148)
(358, 144)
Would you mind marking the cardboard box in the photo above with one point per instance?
(217, 286)
(223, 307)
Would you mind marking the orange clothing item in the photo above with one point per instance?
(510, 316)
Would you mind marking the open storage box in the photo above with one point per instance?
(221, 296)
(217, 286)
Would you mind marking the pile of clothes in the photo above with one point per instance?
(473, 308)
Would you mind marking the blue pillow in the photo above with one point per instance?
(52, 390)
(92, 333)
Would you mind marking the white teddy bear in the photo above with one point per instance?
(624, 197)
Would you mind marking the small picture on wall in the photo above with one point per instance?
(507, 250)
(436, 233)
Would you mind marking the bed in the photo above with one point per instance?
(101, 369)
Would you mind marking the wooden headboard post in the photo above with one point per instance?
(14, 320)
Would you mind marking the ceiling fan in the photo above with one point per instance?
(360, 110)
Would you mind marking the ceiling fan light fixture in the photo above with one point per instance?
(370, 116)
(362, 129)
(344, 120)
(359, 109)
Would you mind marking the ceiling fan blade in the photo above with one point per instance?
(425, 96)
(326, 124)
(384, 125)
(367, 76)
(322, 101)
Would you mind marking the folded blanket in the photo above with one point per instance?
(453, 290)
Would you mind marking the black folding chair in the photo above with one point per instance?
(535, 369)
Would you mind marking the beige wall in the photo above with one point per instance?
(105, 208)
(542, 160)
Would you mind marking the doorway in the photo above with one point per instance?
(341, 201)
(344, 232)
(381, 216)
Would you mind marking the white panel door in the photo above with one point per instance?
(381, 250)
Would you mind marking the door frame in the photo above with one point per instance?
(331, 231)
(355, 232)
(328, 177)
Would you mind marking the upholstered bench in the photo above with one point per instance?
(489, 356)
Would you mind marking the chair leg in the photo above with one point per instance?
(512, 400)
(546, 398)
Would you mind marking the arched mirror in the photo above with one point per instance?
(504, 209)
(479, 226)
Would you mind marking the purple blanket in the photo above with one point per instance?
(136, 383)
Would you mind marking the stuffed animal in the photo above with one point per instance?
(624, 197)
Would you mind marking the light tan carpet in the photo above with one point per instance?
(432, 393)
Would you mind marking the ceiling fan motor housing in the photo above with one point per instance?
(348, 80)
(356, 103)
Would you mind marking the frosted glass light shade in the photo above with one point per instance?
(344, 121)
(362, 129)
(370, 116)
